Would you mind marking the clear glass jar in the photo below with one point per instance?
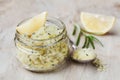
(46, 54)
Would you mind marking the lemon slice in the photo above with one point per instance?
(96, 24)
(33, 24)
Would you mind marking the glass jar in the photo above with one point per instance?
(46, 54)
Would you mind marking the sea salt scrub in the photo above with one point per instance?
(45, 49)
(84, 55)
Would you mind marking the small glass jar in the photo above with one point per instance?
(43, 55)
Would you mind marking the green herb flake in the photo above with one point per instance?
(98, 64)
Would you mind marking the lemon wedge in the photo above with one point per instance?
(96, 24)
(33, 24)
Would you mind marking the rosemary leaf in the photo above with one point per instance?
(86, 41)
(78, 39)
(98, 41)
(74, 30)
(92, 43)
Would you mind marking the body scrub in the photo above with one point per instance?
(45, 49)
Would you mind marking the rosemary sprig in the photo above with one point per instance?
(89, 39)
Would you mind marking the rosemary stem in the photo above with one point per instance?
(86, 41)
(78, 39)
(74, 31)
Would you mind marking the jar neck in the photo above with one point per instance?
(27, 41)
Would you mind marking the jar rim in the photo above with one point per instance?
(49, 18)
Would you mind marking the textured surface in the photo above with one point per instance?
(13, 11)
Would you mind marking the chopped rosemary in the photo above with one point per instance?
(98, 64)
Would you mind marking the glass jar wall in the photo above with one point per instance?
(43, 53)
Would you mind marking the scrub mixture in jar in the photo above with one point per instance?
(41, 46)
